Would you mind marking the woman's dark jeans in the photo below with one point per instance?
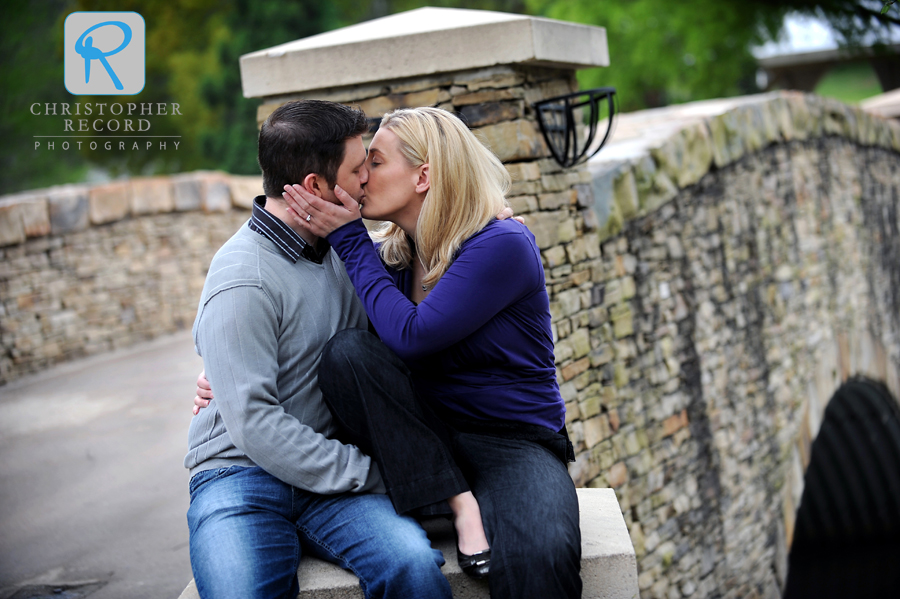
(527, 499)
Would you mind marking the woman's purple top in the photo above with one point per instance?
(480, 343)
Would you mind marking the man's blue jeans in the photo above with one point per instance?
(248, 530)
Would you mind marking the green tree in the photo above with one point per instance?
(662, 53)
(679, 51)
(226, 139)
(30, 72)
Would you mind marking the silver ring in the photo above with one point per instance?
(308, 217)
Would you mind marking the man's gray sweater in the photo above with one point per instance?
(262, 323)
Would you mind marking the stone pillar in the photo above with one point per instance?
(490, 68)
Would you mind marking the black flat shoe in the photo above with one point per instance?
(477, 565)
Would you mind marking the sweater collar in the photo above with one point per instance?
(288, 241)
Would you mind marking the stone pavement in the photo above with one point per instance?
(93, 495)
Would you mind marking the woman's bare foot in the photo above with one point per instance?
(467, 521)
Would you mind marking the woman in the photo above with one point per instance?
(460, 297)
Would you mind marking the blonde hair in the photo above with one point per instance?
(468, 189)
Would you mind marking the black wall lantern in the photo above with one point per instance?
(559, 123)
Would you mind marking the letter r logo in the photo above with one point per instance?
(104, 53)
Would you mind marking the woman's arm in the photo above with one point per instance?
(490, 273)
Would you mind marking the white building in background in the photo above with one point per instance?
(808, 48)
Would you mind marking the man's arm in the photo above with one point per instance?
(237, 336)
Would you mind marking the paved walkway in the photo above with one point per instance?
(91, 482)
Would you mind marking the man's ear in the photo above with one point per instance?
(315, 184)
(423, 182)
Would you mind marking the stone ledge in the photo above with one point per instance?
(655, 153)
(71, 208)
(608, 564)
(417, 43)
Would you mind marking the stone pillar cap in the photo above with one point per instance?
(420, 42)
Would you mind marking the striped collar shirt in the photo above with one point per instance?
(283, 236)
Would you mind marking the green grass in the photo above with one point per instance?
(850, 83)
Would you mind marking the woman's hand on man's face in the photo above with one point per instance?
(320, 217)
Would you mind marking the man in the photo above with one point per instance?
(269, 481)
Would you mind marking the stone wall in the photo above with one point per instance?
(750, 261)
(86, 269)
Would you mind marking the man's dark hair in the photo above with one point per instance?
(303, 137)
